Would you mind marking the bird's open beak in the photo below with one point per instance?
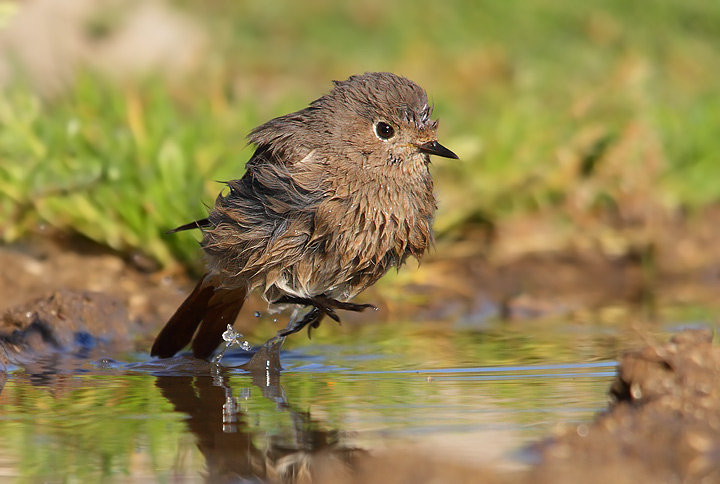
(435, 148)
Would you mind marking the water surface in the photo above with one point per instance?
(476, 396)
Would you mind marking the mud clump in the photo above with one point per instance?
(66, 321)
(664, 424)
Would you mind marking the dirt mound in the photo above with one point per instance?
(662, 427)
(65, 321)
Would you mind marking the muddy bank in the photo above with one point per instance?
(663, 427)
(66, 321)
(450, 285)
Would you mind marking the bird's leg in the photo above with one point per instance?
(312, 318)
(321, 306)
(310, 302)
(326, 304)
(335, 304)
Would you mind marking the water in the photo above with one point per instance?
(468, 396)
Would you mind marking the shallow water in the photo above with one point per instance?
(469, 395)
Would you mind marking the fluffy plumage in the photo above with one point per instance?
(326, 207)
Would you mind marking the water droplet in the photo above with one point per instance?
(230, 335)
(258, 314)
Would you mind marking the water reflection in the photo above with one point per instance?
(224, 433)
(435, 394)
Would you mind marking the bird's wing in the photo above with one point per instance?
(192, 225)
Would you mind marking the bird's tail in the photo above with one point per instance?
(205, 313)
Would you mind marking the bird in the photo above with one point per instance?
(334, 196)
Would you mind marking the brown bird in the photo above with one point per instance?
(333, 197)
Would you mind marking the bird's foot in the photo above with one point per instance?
(326, 304)
(312, 318)
(321, 306)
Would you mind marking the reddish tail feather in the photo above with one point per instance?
(205, 313)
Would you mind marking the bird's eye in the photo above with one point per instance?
(384, 130)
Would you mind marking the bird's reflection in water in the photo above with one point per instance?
(224, 437)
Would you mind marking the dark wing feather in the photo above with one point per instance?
(180, 329)
(192, 225)
(205, 314)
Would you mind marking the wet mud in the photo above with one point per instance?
(449, 285)
(66, 321)
(663, 426)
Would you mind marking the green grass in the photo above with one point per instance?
(561, 108)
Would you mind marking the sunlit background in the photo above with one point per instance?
(598, 120)
(588, 136)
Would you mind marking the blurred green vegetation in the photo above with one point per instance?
(594, 113)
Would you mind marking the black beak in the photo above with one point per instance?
(435, 148)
